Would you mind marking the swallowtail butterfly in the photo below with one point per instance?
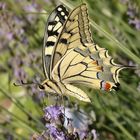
(71, 57)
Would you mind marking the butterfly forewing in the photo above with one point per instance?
(76, 31)
(54, 26)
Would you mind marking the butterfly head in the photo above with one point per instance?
(47, 85)
(41, 87)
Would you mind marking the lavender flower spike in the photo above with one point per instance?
(55, 134)
(53, 112)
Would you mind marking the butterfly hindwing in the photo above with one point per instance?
(54, 26)
(93, 69)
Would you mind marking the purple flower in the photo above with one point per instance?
(133, 14)
(55, 133)
(30, 8)
(130, 13)
(33, 8)
(83, 135)
(10, 36)
(132, 10)
(67, 130)
(41, 94)
(53, 112)
(52, 133)
(136, 23)
(20, 74)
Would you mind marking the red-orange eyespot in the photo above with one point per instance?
(107, 86)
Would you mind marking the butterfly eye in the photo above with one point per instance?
(41, 87)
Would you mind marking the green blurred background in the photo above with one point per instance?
(115, 25)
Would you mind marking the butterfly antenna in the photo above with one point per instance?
(24, 84)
